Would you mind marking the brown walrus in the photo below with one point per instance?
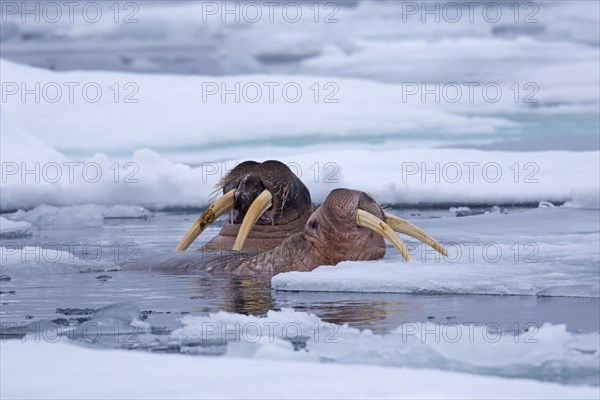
(267, 203)
(348, 226)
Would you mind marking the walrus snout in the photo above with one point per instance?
(265, 197)
(249, 188)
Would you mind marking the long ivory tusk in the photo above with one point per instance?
(261, 204)
(217, 209)
(371, 222)
(403, 226)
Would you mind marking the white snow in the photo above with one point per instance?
(544, 252)
(85, 373)
(476, 348)
(434, 176)
(280, 337)
(526, 350)
(82, 216)
(379, 41)
(184, 114)
(400, 176)
(20, 146)
(391, 276)
(380, 155)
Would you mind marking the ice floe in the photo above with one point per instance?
(543, 252)
(532, 351)
(13, 229)
(82, 216)
(51, 258)
(84, 373)
(398, 177)
(440, 352)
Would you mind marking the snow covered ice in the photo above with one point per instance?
(287, 336)
(544, 252)
(403, 176)
(212, 378)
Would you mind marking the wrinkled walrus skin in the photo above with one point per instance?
(348, 226)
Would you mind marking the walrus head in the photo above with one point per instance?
(267, 203)
(349, 226)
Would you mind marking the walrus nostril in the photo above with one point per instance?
(249, 188)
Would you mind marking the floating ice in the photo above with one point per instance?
(459, 209)
(394, 173)
(82, 216)
(198, 121)
(272, 341)
(546, 204)
(125, 212)
(533, 352)
(392, 276)
(49, 258)
(19, 146)
(582, 198)
(369, 40)
(110, 322)
(176, 376)
(13, 229)
(392, 176)
(543, 252)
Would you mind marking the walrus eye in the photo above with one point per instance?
(313, 224)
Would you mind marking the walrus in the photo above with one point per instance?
(267, 203)
(349, 226)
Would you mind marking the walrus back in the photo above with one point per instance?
(187, 261)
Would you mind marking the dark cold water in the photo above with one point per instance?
(34, 295)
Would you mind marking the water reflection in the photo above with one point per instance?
(164, 298)
(232, 294)
(254, 296)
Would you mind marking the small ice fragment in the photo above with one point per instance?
(14, 229)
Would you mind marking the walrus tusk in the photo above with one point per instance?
(403, 226)
(217, 209)
(262, 203)
(371, 222)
